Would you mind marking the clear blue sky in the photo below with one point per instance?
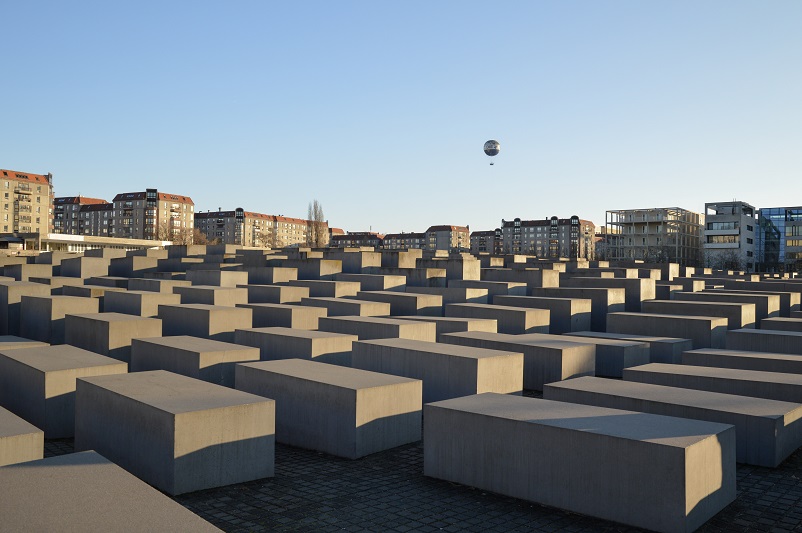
(379, 109)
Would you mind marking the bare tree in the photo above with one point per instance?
(198, 237)
(316, 227)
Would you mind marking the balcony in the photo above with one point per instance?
(22, 188)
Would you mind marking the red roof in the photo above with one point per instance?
(80, 200)
(162, 196)
(23, 176)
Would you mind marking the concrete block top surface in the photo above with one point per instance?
(80, 492)
(527, 337)
(451, 319)
(440, 348)
(743, 353)
(372, 320)
(9, 342)
(719, 319)
(11, 425)
(194, 344)
(678, 396)
(61, 357)
(114, 317)
(627, 336)
(173, 393)
(718, 372)
(547, 341)
(299, 333)
(767, 332)
(657, 429)
(335, 375)
(201, 307)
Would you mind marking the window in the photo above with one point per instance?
(749, 228)
(722, 239)
(749, 241)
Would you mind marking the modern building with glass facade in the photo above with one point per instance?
(779, 239)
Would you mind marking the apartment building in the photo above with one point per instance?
(248, 228)
(486, 241)
(779, 239)
(451, 238)
(153, 215)
(659, 234)
(357, 239)
(66, 213)
(549, 238)
(729, 236)
(96, 220)
(27, 202)
(404, 241)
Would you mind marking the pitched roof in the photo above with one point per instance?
(161, 196)
(447, 228)
(80, 200)
(24, 176)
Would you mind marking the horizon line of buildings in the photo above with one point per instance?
(732, 234)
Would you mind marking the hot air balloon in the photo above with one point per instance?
(492, 148)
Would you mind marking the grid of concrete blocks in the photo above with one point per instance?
(179, 370)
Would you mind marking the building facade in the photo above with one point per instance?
(27, 202)
(451, 238)
(404, 241)
(729, 236)
(549, 238)
(655, 235)
(779, 239)
(96, 220)
(67, 213)
(248, 228)
(486, 242)
(357, 239)
(153, 215)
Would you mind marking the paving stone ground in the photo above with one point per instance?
(388, 492)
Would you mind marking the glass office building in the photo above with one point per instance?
(779, 239)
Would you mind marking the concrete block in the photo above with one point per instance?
(345, 412)
(565, 314)
(157, 285)
(269, 275)
(456, 266)
(214, 322)
(406, 303)
(356, 262)
(369, 327)
(42, 317)
(210, 295)
(23, 272)
(133, 266)
(109, 334)
(770, 385)
(12, 342)
(400, 259)
(447, 371)
(327, 289)
(766, 431)
(704, 331)
(315, 269)
(218, 278)
(138, 303)
(789, 297)
(545, 361)
(97, 292)
(764, 340)
(20, 441)
(375, 282)
(203, 359)
(738, 315)
(766, 305)
(454, 295)
(176, 433)
(275, 294)
(782, 324)
(602, 301)
(494, 288)
(744, 360)
(661, 349)
(533, 277)
(85, 267)
(11, 294)
(38, 384)
(285, 315)
(348, 307)
(635, 290)
(660, 473)
(287, 343)
(87, 492)
(108, 281)
(447, 325)
(612, 355)
(57, 282)
(796, 314)
(512, 320)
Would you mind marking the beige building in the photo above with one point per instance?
(27, 202)
(153, 215)
(255, 229)
(660, 234)
(549, 238)
(67, 213)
